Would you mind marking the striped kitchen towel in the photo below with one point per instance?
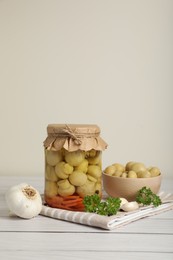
(111, 222)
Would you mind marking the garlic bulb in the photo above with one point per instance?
(24, 201)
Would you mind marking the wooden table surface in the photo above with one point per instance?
(47, 238)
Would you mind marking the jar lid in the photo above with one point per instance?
(73, 137)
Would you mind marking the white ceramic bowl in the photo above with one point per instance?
(128, 187)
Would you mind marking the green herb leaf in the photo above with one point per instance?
(91, 202)
(108, 207)
(146, 197)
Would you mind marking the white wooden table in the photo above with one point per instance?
(47, 238)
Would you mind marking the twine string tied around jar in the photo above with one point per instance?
(72, 134)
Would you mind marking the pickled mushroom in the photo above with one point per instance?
(78, 178)
(132, 174)
(74, 158)
(96, 159)
(63, 169)
(94, 171)
(91, 178)
(124, 175)
(83, 166)
(138, 167)
(63, 184)
(87, 189)
(66, 192)
(129, 165)
(117, 174)
(119, 167)
(144, 174)
(154, 171)
(110, 169)
(53, 157)
(92, 153)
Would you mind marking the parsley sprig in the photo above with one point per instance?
(108, 207)
(146, 197)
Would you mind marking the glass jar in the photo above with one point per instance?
(73, 165)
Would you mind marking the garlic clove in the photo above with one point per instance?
(24, 201)
(123, 201)
(130, 206)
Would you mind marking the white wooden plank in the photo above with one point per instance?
(82, 255)
(44, 224)
(107, 242)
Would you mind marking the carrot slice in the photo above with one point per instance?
(73, 202)
(68, 202)
(71, 197)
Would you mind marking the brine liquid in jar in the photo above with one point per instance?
(73, 165)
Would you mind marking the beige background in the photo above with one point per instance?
(107, 62)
